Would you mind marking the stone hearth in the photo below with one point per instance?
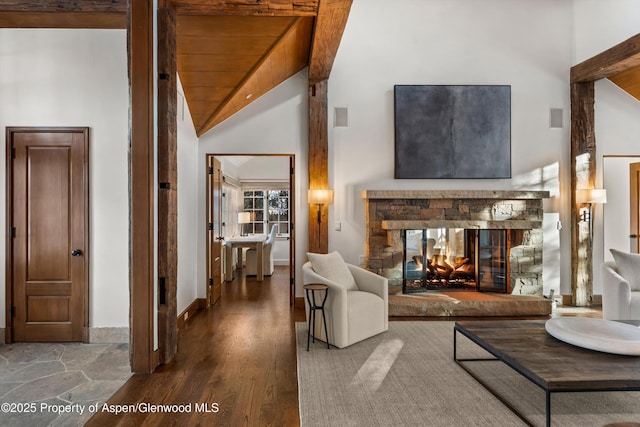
(465, 304)
(389, 212)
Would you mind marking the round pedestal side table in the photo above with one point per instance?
(311, 290)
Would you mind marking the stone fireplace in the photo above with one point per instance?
(425, 240)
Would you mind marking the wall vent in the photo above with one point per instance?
(340, 117)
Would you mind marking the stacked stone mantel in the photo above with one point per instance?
(454, 194)
(389, 212)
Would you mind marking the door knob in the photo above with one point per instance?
(76, 252)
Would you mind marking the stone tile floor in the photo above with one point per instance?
(58, 384)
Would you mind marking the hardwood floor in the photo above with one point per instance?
(238, 359)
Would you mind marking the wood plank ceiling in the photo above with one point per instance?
(629, 80)
(229, 53)
(227, 62)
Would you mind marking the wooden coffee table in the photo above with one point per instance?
(552, 365)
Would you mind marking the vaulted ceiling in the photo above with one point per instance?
(620, 64)
(629, 80)
(226, 62)
(229, 52)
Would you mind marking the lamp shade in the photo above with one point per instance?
(320, 197)
(244, 217)
(591, 195)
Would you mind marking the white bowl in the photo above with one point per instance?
(596, 334)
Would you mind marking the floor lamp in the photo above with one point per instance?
(319, 198)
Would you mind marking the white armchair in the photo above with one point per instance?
(354, 311)
(267, 256)
(620, 295)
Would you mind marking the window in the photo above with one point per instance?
(254, 203)
(278, 206)
(267, 207)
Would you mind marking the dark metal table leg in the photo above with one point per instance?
(313, 308)
(311, 313)
(324, 319)
(455, 333)
(548, 396)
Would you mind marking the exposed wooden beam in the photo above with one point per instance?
(327, 33)
(318, 164)
(110, 6)
(247, 7)
(106, 21)
(168, 179)
(103, 14)
(621, 57)
(142, 187)
(583, 173)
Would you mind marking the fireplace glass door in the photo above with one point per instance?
(438, 259)
(491, 260)
(455, 259)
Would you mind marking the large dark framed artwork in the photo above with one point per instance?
(461, 131)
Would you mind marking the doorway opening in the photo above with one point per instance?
(255, 227)
(619, 216)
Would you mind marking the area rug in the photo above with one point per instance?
(407, 377)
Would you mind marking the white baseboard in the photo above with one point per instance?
(280, 262)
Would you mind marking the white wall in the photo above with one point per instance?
(617, 134)
(616, 213)
(265, 168)
(78, 78)
(276, 123)
(526, 44)
(598, 27)
(187, 207)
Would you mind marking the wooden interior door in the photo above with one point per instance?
(47, 212)
(214, 232)
(634, 185)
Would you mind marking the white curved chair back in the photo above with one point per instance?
(267, 255)
(272, 235)
(351, 315)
